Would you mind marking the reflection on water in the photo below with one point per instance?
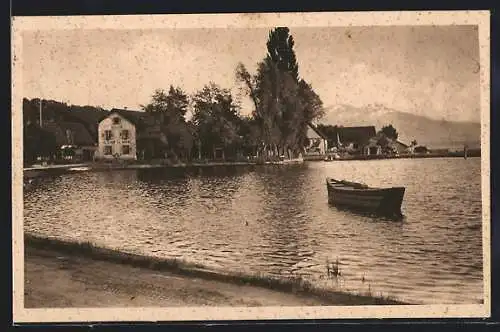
(276, 220)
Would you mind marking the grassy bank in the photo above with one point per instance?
(296, 285)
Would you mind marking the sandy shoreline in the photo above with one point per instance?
(56, 276)
(60, 280)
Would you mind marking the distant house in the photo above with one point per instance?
(317, 141)
(381, 144)
(130, 135)
(420, 149)
(73, 139)
(399, 147)
(373, 147)
(355, 139)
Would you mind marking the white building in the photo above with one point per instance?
(318, 144)
(117, 136)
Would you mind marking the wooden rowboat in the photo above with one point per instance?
(381, 201)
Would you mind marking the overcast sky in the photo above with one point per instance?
(425, 70)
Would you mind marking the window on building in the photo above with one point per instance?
(108, 135)
(108, 151)
(116, 120)
(125, 149)
(125, 135)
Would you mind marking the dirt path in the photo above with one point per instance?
(58, 280)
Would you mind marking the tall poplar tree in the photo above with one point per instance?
(280, 49)
(284, 103)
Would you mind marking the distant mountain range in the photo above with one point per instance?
(429, 132)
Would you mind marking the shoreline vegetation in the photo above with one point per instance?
(296, 286)
(57, 169)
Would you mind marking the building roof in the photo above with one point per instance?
(145, 123)
(139, 118)
(360, 135)
(88, 116)
(79, 135)
(401, 143)
(316, 130)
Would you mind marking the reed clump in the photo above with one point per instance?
(333, 269)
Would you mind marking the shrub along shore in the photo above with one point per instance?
(295, 285)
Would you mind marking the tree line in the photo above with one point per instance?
(40, 142)
(283, 106)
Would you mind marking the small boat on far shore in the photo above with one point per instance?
(298, 160)
(286, 161)
(381, 201)
(79, 169)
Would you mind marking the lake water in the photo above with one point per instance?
(433, 256)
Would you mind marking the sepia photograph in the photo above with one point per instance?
(251, 166)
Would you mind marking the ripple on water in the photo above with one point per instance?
(277, 221)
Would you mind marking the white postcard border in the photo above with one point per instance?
(20, 24)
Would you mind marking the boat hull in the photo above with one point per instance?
(381, 201)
